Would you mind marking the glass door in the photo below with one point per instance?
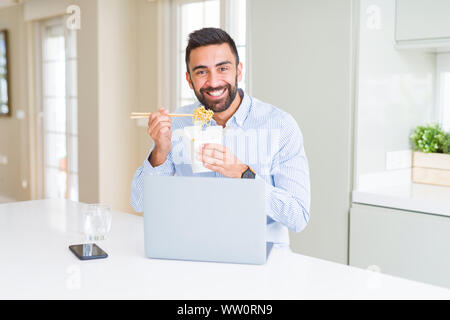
(57, 123)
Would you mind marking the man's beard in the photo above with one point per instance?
(219, 106)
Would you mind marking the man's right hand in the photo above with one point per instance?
(160, 130)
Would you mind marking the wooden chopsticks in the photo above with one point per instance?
(142, 115)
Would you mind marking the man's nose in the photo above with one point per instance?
(213, 79)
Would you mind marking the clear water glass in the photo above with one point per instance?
(96, 221)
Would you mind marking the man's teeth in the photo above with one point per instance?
(216, 93)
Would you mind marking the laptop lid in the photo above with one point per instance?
(205, 219)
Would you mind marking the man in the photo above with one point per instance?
(261, 141)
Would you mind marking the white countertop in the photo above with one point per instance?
(409, 196)
(37, 264)
(395, 190)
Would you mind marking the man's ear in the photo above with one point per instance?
(188, 79)
(239, 71)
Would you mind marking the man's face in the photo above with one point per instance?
(214, 76)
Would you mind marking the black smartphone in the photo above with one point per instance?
(88, 251)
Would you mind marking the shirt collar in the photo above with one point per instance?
(244, 108)
(242, 111)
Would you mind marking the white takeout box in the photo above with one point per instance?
(194, 137)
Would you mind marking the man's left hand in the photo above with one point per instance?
(218, 158)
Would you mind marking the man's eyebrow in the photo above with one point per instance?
(205, 67)
(199, 67)
(222, 63)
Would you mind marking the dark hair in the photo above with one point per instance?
(208, 36)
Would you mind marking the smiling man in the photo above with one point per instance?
(261, 141)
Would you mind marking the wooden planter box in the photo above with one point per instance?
(431, 168)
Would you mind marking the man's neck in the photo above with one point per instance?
(222, 118)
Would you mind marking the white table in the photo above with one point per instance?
(35, 263)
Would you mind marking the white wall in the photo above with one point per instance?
(88, 109)
(147, 21)
(395, 88)
(14, 176)
(301, 61)
(41, 9)
(128, 82)
(117, 70)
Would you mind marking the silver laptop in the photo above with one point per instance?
(205, 219)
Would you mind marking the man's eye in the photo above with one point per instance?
(223, 69)
(201, 72)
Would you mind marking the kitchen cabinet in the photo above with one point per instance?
(423, 23)
(407, 244)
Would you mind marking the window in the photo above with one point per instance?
(229, 15)
(57, 124)
(443, 83)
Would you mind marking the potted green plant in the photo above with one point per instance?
(431, 155)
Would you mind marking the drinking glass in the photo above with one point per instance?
(96, 221)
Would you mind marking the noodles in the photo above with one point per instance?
(203, 115)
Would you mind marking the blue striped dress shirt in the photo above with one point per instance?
(269, 141)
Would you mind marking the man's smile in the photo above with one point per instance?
(216, 94)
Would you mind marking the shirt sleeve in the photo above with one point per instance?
(288, 198)
(137, 184)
